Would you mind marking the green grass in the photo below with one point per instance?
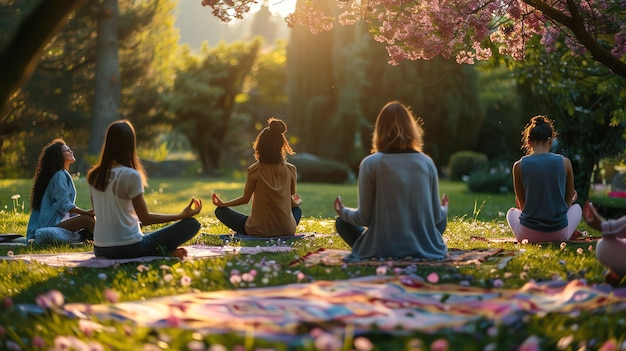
(470, 214)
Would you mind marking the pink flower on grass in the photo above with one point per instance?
(328, 342)
(7, 302)
(300, 276)
(39, 342)
(196, 345)
(235, 279)
(185, 280)
(609, 345)
(530, 344)
(433, 278)
(362, 343)
(440, 345)
(87, 327)
(247, 277)
(53, 298)
(111, 295)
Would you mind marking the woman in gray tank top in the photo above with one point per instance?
(544, 189)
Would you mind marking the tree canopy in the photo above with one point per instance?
(468, 30)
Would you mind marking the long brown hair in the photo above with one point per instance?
(119, 146)
(271, 145)
(397, 128)
(50, 161)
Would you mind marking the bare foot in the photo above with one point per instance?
(592, 217)
(180, 253)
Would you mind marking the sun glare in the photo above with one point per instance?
(282, 7)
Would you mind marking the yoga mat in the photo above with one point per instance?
(389, 304)
(9, 237)
(583, 239)
(244, 237)
(87, 259)
(335, 257)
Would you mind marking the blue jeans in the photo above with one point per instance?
(348, 232)
(237, 221)
(159, 243)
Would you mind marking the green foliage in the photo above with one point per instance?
(463, 163)
(442, 93)
(491, 181)
(56, 102)
(499, 136)
(317, 170)
(156, 154)
(609, 207)
(203, 98)
(312, 101)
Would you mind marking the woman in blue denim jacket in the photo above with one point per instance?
(53, 194)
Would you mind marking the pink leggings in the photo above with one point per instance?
(574, 215)
(611, 248)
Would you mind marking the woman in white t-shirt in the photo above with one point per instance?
(117, 185)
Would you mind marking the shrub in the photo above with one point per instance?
(463, 163)
(317, 170)
(609, 207)
(495, 180)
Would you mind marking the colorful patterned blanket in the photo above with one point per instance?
(335, 257)
(87, 259)
(391, 303)
(582, 239)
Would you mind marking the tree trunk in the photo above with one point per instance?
(107, 92)
(21, 55)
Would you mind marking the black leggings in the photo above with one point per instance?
(347, 231)
(237, 221)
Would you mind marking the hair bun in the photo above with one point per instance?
(277, 126)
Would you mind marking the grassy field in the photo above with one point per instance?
(470, 214)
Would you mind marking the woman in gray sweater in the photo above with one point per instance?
(400, 214)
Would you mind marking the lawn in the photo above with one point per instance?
(470, 215)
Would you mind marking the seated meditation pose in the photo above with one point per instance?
(544, 189)
(399, 213)
(54, 194)
(612, 246)
(271, 184)
(117, 185)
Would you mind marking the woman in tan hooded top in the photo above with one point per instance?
(272, 180)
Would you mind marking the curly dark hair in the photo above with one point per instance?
(539, 129)
(271, 145)
(50, 161)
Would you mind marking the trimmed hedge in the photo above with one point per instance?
(464, 163)
(317, 170)
(495, 181)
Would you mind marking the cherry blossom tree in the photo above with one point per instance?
(468, 30)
